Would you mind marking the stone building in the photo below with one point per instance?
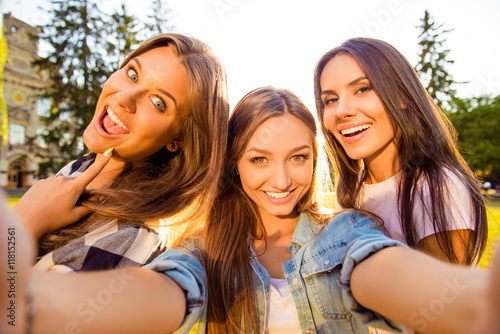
(21, 156)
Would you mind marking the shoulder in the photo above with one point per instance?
(109, 245)
(345, 229)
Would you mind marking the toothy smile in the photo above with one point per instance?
(112, 124)
(277, 195)
(354, 130)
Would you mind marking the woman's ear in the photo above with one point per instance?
(175, 144)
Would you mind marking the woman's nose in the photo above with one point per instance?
(127, 99)
(280, 177)
(345, 108)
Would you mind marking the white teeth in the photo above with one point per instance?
(115, 119)
(277, 195)
(355, 129)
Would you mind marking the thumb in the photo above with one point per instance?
(90, 173)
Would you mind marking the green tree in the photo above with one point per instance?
(434, 61)
(122, 36)
(158, 18)
(85, 45)
(477, 120)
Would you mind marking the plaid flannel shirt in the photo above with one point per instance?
(106, 246)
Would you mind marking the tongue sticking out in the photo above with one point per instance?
(111, 127)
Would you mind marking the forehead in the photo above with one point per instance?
(161, 68)
(341, 68)
(281, 133)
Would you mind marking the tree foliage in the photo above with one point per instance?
(434, 62)
(85, 44)
(158, 18)
(477, 120)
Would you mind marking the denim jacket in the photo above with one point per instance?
(318, 275)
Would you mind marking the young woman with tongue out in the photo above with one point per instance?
(164, 114)
(395, 152)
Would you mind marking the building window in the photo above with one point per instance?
(43, 107)
(17, 134)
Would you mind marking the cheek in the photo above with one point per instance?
(303, 176)
(249, 179)
(329, 120)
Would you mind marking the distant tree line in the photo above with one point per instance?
(476, 119)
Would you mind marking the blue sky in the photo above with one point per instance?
(277, 42)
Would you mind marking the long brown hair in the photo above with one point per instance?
(426, 148)
(166, 183)
(234, 221)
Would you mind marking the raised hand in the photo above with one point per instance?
(51, 203)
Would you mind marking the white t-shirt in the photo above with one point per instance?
(381, 199)
(282, 317)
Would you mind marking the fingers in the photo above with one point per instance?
(88, 175)
(77, 213)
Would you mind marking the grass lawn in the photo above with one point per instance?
(493, 211)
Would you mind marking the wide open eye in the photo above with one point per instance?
(132, 74)
(158, 102)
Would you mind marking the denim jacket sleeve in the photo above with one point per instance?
(364, 240)
(184, 267)
(344, 242)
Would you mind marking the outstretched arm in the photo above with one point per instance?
(421, 292)
(491, 324)
(131, 300)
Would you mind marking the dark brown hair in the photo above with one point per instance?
(427, 145)
(235, 221)
(166, 183)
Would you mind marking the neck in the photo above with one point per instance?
(107, 175)
(383, 166)
(279, 230)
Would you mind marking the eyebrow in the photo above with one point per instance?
(264, 151)
(350, 84)
(159, 89)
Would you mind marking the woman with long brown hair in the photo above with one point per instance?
(395, 152)
(164, 113)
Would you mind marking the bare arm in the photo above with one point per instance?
(459, 239)
(421, 292)
(491, 324)
(132, 300)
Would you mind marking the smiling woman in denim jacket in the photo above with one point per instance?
(269, 260)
